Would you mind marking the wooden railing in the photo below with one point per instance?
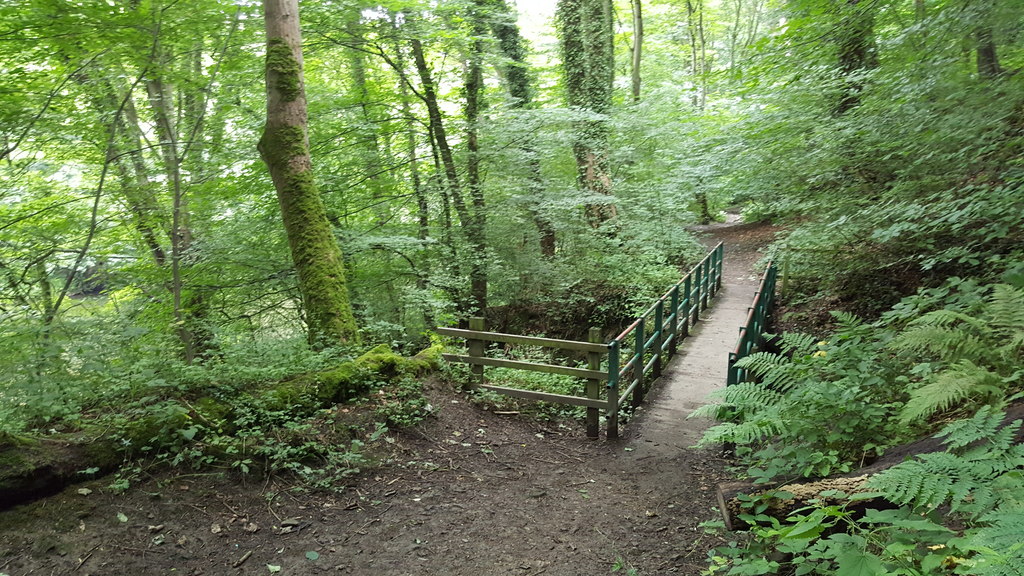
(752, 332)
(648, 343)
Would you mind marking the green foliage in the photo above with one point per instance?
(977, 483)
(820, 408)
(976, 353)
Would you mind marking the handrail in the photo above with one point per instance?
(751, 336)
(655, 334)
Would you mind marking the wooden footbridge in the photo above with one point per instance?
(623, 370)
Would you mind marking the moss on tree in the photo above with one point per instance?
(286, 69)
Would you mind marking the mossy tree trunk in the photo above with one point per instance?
(857, 53)
(517, 78)
(585, 30)
(285, 148)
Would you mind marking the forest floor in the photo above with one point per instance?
(467, 492)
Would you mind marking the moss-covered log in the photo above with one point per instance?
(36, 467)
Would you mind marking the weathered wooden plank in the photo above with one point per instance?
(524, 340)
(547, 396)
(536, 367)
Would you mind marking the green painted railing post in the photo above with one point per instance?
(476, 349)
(659, 337)
(638, 366)
(705, 281)
(673, 322)
(733, 373)
(713, 265)
(594, 387)
(718, 274)
(612, 412)
(685, 309)
(696, 296)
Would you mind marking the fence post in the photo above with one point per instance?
(696, 296)
(476, 349)
(594, 387)
(673, 323)
(612, 413)
(687, 293)
(706, 279)
(638, 367)
(659, 337)
(719, 255)
(712, 272)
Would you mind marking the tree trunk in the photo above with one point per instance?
(988, 59)
(638, 42)
(518, 81)
(284, 146)
(585, 28)
(474, 101)
(857, 53)
(470, 224)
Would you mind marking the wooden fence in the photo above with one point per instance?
(648, 343)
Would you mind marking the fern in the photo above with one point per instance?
(948, 343)
(961, 433)
(797, 343)
(949, 387)
(999, 546)
(773, 370)
(1006, 311)
(969, 477)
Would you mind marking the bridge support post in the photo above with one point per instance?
(638, 365)
(673, 323)
(594, 387)
(659, 338)
(612, 413)
(697, 282)
(684, 310)
(476, 349)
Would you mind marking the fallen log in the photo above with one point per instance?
(796, 495)
(784, 500)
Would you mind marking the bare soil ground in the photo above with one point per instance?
(466, 493)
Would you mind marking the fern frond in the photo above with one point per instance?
(982, 425)
(759, 363)
(797, 343)
(773, 370)
(998, 546)
(948, 343)
(749, 431)
(846, 320)
(946, 318)
(1005, 309)
(972, 482)
(959, 382)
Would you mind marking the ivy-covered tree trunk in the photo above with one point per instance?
(857, 53)
(474, 102)
(285, 148)
(517, 78)
(585, 29)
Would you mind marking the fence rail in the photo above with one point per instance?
(751, 336)
(648, 343)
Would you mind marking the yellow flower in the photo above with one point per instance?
(820, 354)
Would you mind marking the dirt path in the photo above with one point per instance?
(468, 493)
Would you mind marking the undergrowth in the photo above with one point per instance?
(947, 357)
